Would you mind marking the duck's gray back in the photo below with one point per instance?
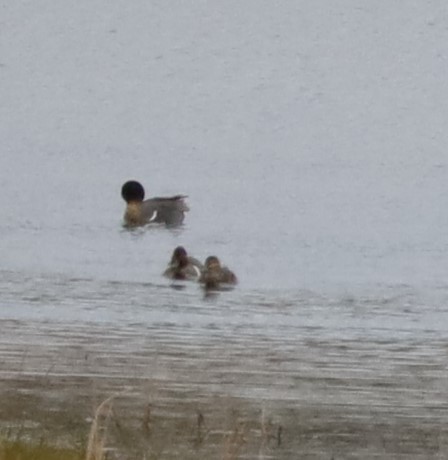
(169, 211)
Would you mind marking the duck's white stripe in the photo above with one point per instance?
(153, 217)
(198, 272)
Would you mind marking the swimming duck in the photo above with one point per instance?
(166, 210)
(215, 274)
(182, 266)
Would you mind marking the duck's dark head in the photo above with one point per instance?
(132, 191)
(180, 257)
(212, 262)
(212, 273)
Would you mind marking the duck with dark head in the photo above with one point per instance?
(166, 210)
(182, 266)
(214, 275)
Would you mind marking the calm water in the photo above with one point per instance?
(311, 140)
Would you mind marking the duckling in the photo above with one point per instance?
(214, 274)
(167, 210)
(182, 266)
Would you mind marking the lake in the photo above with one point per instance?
(310, 140)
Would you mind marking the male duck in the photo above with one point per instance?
(182, 266)
(166, 210)
(215, 274)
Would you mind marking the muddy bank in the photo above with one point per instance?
(184, 394)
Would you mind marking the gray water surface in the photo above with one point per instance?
(310, 138)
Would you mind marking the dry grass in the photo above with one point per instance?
(18, 449)
(98, 431)
(234, 439)
(234, 442)
(115, 432)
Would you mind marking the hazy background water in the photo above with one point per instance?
(310, 137)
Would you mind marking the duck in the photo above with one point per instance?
(214, 274)
(166, 210)
(182, 266)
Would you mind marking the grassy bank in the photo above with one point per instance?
(23, 450)
(115, 433)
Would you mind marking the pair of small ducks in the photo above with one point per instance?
(171, 212)
(212, 274)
